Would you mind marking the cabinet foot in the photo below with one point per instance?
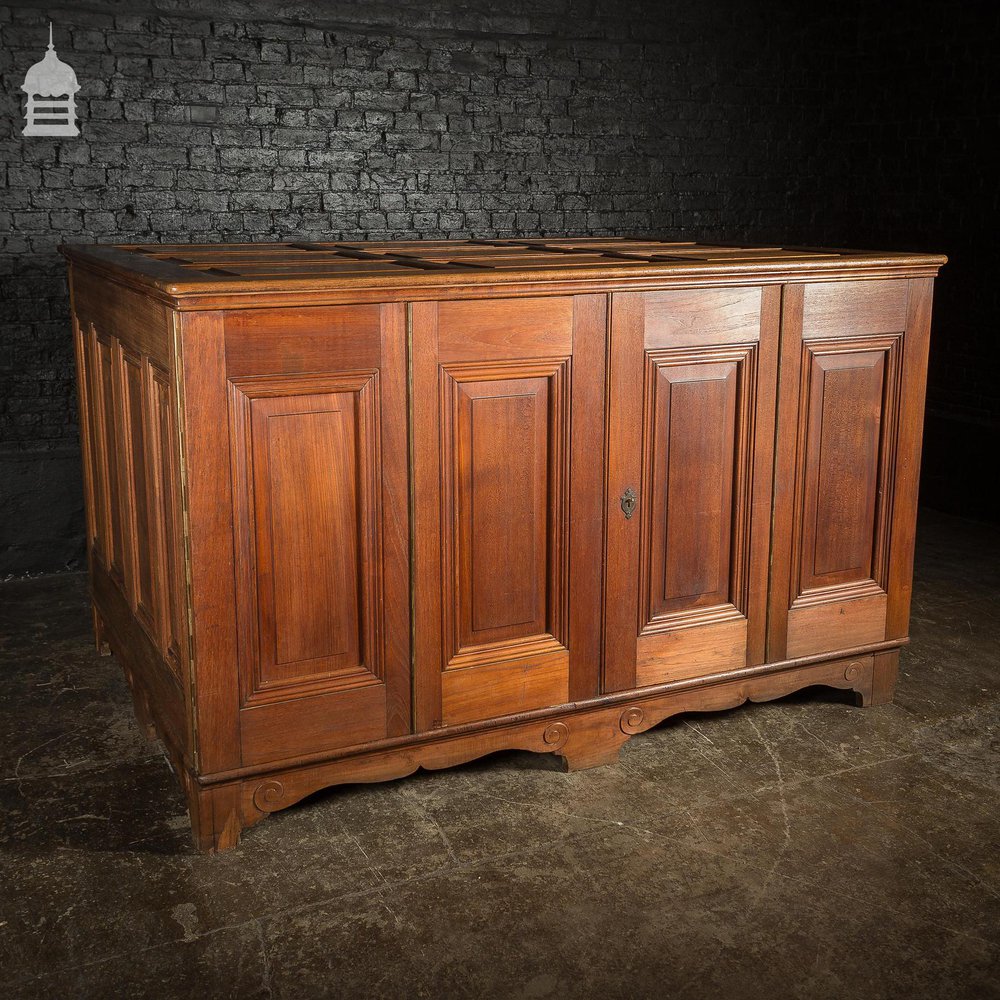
(595, 742)
(885, 673)
(583, 758)
(216, 816)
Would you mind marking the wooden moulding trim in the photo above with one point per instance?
(250, 293)
(636, 695)
(295, 292)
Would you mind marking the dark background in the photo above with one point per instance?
(857, 124)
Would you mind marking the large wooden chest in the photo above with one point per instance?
(359, 508)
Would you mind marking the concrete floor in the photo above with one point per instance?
(803, 848)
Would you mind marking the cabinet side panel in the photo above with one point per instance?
(130, 448)
(911, 419)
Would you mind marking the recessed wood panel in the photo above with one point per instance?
(100, 519)
(841, 467)
(695, 510)
(320, 516)
(846, 428)
(109, 401)
(505, 432)
(307, 517)
(311, 465)
(141, 529)
(168, 538)
(503, 487)
(694, 451)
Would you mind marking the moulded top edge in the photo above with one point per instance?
(176, 271)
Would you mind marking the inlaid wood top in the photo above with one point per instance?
(230, 269)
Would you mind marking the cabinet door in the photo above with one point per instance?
(508, 408)
(317, 417)
(690, 445)
(850, 410)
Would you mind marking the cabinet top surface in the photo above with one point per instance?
(223, 271)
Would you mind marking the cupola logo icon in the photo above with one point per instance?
(50, 85)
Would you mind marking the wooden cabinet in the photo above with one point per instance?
(355, 509)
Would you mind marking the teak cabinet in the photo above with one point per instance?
(359, 508)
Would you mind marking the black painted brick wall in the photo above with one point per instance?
(350, 119)
(918, 131)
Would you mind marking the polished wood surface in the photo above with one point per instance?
(494, 415)
(840, 411)
(302, 273)
(692, 408)
(355, 509)
(318, 466)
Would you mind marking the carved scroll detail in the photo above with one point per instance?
(267, 796)
(854, 671)
(631, 720)
(556, 735)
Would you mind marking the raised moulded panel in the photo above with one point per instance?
(108, 401)
(141, 535)
(697, 439)
(505, 429)
(847, 420)
(305, 456)
(171, 603)
(99, 519)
